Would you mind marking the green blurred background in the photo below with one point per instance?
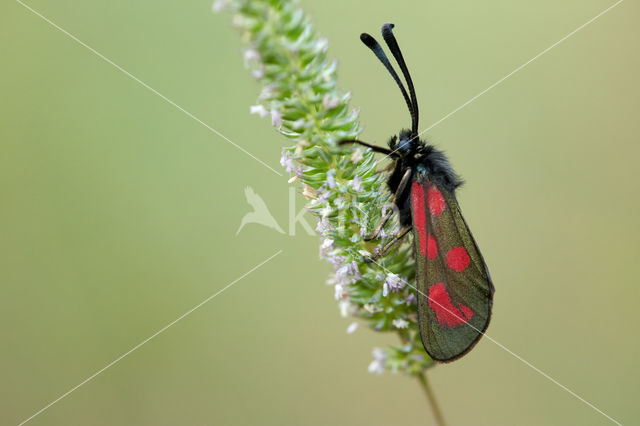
(119, 214)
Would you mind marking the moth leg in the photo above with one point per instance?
(380, 252)
(386, 168)
(401, 187)
(378, 229)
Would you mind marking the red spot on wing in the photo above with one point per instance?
(458, 259)
(432, 247)
(447, 314)
(435, 200)
(419, 215)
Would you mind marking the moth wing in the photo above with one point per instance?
(455, 291)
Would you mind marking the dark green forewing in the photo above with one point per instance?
(454, 289)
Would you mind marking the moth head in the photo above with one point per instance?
(405, 143)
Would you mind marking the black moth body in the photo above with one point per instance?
(418, 153)
(453, 286)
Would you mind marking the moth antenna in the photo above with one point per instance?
(374, 148)
(390, 39)
(375, 47)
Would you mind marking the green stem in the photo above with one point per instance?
(437, 413)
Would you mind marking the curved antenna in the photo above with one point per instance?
(372, 44)
(389, 38)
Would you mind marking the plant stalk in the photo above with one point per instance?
(437, 412)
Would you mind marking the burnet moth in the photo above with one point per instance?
(454, 288)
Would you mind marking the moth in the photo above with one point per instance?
(454, 288)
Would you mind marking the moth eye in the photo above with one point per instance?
(404, 144)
